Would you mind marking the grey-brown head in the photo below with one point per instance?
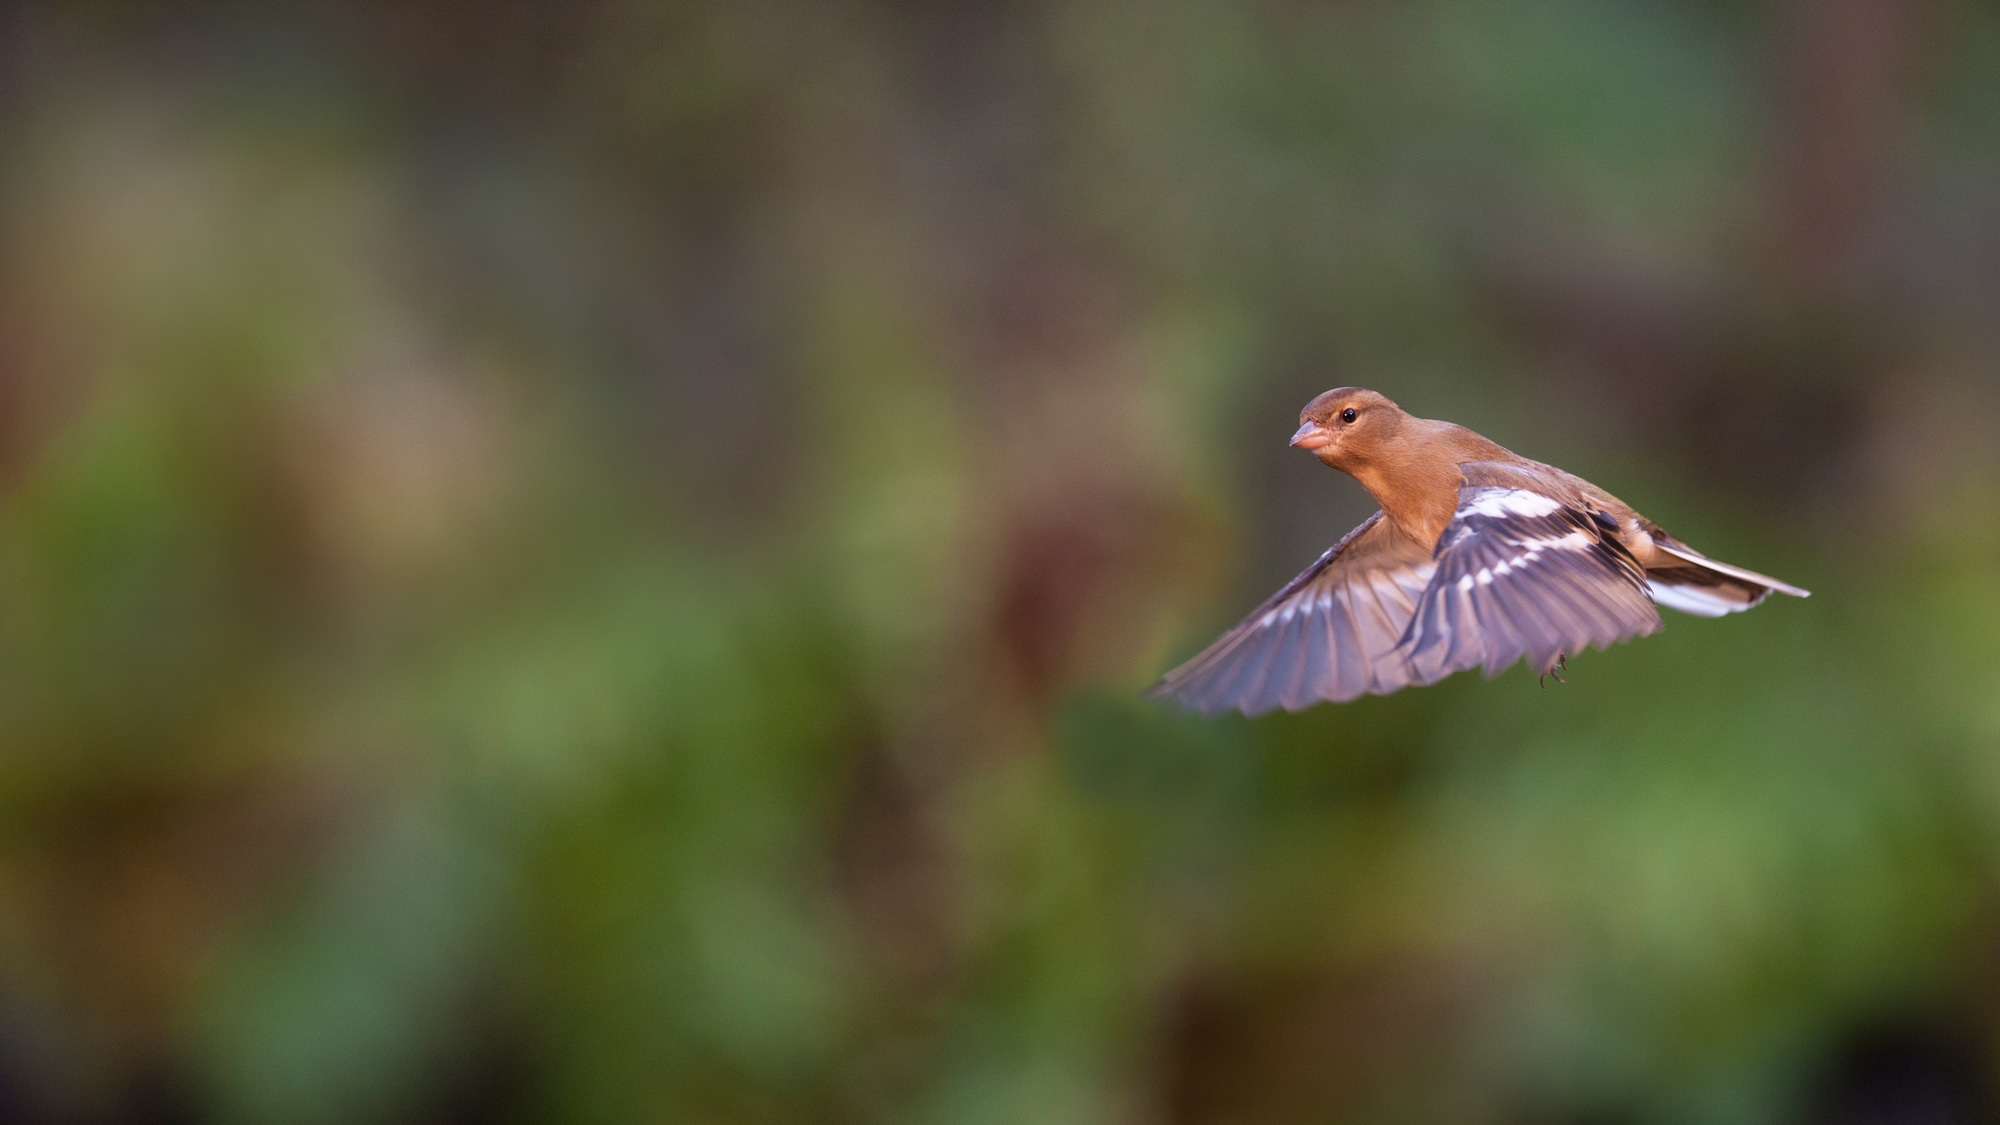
(1349, 427)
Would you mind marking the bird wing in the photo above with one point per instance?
(1331, 634)
(1524, 569)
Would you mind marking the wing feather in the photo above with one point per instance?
(1283, 675)
(1330, 634)
(1320, 670)
(1349, 676)
(1525, 574)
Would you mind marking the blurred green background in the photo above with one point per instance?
(593, 562)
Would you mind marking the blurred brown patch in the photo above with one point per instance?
(892, 875)
(1305, 1043)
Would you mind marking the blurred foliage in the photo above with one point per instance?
(593, 562)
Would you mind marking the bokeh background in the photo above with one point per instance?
(593, 561)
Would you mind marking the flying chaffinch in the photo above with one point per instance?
(1478, 557)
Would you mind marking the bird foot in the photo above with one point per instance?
(1557, 669)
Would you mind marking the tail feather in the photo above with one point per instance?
(1707, 588)
(1689, 555)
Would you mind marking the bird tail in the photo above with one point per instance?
(1705, 587)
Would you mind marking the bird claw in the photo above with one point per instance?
(1557, 669)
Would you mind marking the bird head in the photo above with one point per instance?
(1348, 427)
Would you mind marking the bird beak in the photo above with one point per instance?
(1311, 436)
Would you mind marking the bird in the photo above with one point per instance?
(1477, 557)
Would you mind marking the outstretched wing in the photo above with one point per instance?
(1331, 634)
(1522, 573)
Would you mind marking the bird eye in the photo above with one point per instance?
(1347, 415)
